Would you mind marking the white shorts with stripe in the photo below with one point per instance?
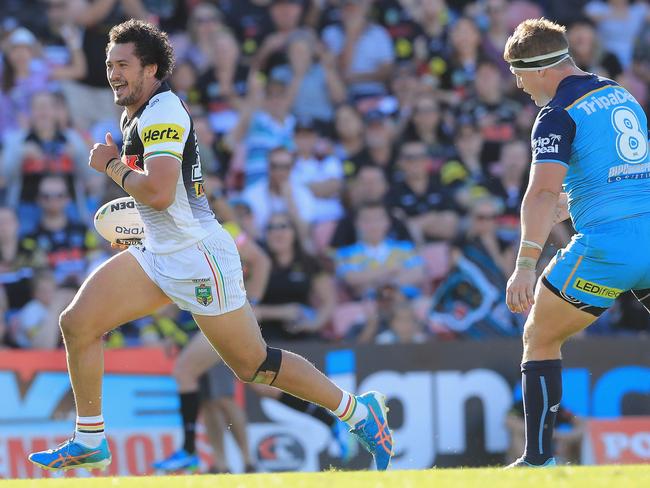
(205, 278)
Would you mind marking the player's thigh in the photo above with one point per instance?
(115, 293)
(197, 357)
(237, 337)
(553, 319)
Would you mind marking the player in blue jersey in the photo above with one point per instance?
(590, 151)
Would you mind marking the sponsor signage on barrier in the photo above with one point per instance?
(448, 403)
(618, 441)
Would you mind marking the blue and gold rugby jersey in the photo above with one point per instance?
(599, 131)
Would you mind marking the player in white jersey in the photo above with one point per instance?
(186, 258)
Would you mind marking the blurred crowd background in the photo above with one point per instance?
(369, 157)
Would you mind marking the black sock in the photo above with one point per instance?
(318, 412)
(542, 388)
(189, 414)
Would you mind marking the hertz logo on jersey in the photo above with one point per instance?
(159, 133)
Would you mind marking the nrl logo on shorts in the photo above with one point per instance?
(203, 294)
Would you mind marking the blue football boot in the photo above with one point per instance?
(373, 432)
(72, 455)
(181, 460)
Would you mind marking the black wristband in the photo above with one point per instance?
(125, 175)
(109, 162)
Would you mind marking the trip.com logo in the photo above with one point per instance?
(280, 452)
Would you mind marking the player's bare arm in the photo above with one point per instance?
(537, 218)
(155, 187)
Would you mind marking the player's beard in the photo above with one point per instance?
(135, 92)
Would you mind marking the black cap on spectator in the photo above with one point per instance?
(305, 124)
(405, 68)
(374, 115)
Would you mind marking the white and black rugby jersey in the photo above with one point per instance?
(163, 126)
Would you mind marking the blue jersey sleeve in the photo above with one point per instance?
(552, 136)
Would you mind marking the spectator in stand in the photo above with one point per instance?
(420, 200)
(24, 74)
(466, 167)
(44, 148)
(509, 186)
(264, 123)
(223, 85)
(405, 87)
(90, 99)
(391, 321)
(379, 135)
(368, 186)
(432, 48)
(319, 171)
(183, 82)
(36, 325)
(398, 18)
(348, 128)
(465, 43)
(587, 52)
(250, 21)
(58, 242)
(300, 297)
(285, 17)
(482, 245)
(279, 193)
(61, 41)
(496, 115)
(320, 87)
(16, 269)
(169, 15)
(426, 125)
(375, 260)
(619, 22)
(498, 31)
(364, 49)
(197, 44)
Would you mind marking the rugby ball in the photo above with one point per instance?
(119, 221)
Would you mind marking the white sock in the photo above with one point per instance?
(90, 431)
(350, 410)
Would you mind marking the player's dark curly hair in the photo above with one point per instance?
(152, 45)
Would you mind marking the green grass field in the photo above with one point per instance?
(566, 477)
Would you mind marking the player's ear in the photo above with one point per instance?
(151, 70)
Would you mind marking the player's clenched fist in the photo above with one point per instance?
(520, 292)
(101, 154)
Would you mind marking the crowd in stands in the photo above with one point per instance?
(376, 152)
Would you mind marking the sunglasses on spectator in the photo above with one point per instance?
(414, 156)
(206, 20)
(426, 110)
(282, 166)
(55, 5)
(281, 226)
(52, 196)
(485, 216)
